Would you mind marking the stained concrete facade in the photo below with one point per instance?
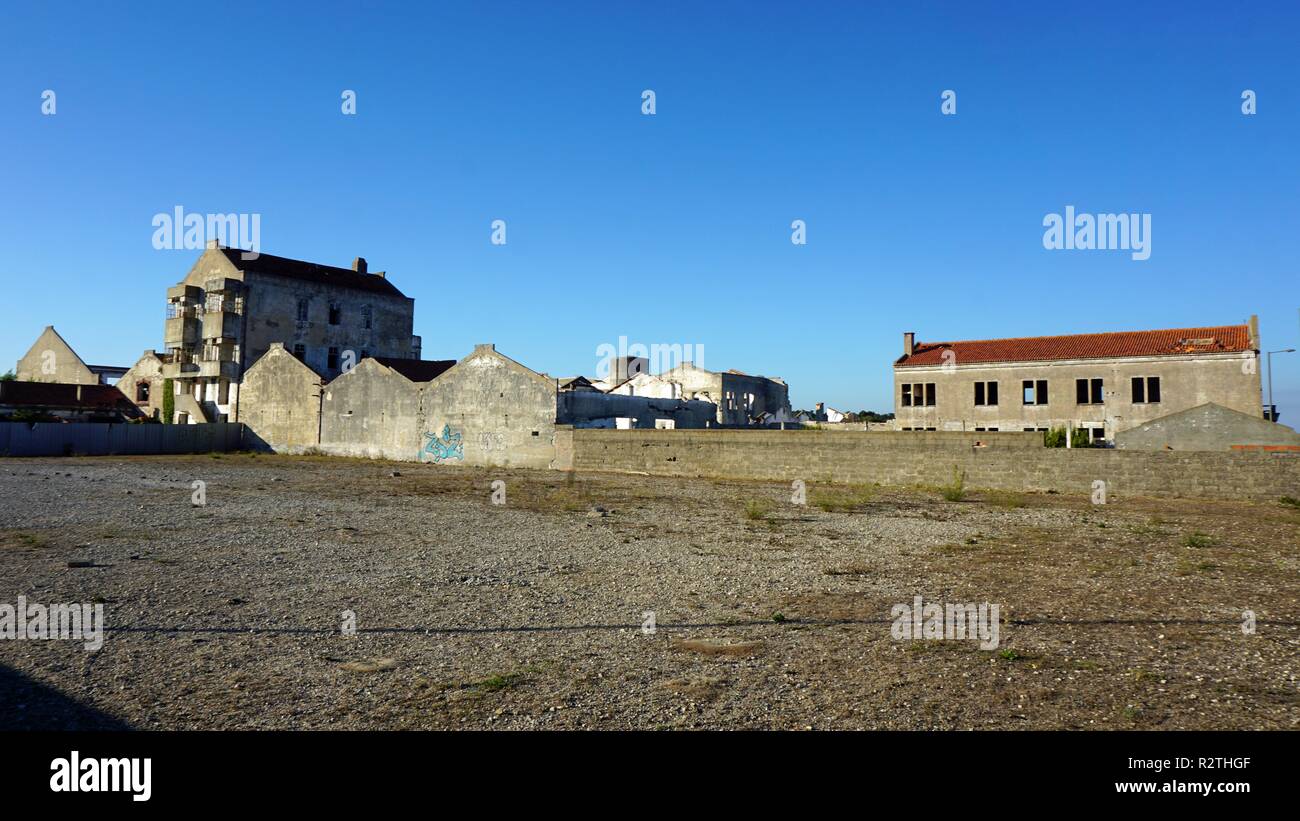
(951, 396)
(51, 359)
(1209, 427)
(593, 409)
(281, 403)
(228, 311)
(143, 384)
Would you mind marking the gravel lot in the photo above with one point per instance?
(529, 614)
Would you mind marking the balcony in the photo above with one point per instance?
(184, 293)
(221, 325)
(180, 331)
(223, 368)
(182, 369)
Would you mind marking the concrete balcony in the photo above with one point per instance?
(223, 368)
(180, 331)
(186, 293)
(223, 285)
(221, 325)
(178, 370)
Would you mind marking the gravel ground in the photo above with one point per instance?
(529, 614)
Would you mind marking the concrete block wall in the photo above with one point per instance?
(1010, 461)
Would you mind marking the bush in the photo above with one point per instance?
(956, 491)
(169, 402)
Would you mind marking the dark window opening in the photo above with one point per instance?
(1088, 391)
(300, 352)
(302, 310)
(332, 362)
(986, 393)
(907, 396)
(335, 312)
(1146, 389)
(929, 393)
(142, 391)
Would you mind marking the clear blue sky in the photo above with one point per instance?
(673, 227)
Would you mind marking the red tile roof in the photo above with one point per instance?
(65, 396)
(1170, 342)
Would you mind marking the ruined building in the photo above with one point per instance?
(228, 311)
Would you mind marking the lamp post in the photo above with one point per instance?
(1272, 409)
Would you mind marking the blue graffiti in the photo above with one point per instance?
(449, 446)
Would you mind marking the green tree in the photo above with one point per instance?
(169, 402)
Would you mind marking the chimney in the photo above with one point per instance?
(359, 265)
(909, 342)
(1254, 332)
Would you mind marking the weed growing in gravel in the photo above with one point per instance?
(956, 491)
(1199, 540)
(1291, 502)
(1009, 655)
(757, 509)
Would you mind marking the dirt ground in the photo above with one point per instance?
(533, 613)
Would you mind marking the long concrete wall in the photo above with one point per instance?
(100, 439)
(1012, 461)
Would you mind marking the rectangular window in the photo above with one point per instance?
(300, 352)
(929, 393)
(332, 362)
(986, 393)
(1146, 389)
(302, 310)
(907, 395)
(1088, 391)
(1034, 392)
(335, 312)
(366, 316)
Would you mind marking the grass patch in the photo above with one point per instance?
(956, 490)
(756, 509)
(847, 500)
(1290, 501)
(1005, 498)
(1199, 540)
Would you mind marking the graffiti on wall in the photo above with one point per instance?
(489, 442)
(447, 446)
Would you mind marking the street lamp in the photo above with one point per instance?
(1272, 409)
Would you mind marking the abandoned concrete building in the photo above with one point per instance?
(1103, 383)
(228, 311)
(51, 359)
(741, 400)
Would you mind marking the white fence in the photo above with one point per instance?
(101, 438)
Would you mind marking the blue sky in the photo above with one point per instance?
(672, 228)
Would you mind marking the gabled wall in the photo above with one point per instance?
(372, 412)
(51, 359)
(280, 403)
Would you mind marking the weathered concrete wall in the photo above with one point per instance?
(280, 404)
(142, 384)
(498, 411)
(1014, 461)
(374, 412)
(1229, 379)
(51, 359)
(593, 409)
(1208, 427)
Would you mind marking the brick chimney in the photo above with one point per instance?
(359, 265)
(1254, 332)
(909, 342)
